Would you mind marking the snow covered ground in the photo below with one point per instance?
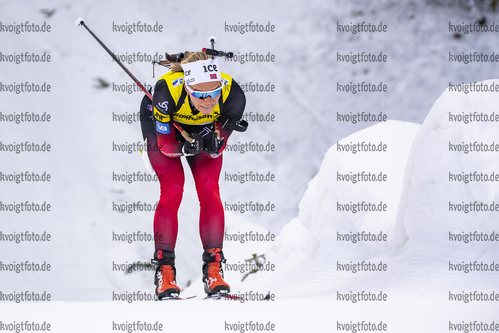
(313, 252)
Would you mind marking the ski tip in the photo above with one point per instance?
(212, 39)
(79, 21)
(175, 298)
(225, 296)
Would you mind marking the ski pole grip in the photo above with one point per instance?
(186, 136)
(216, 130)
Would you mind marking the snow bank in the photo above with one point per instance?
(310, 244)
(321, 208)
(441, 195)
(444, 182)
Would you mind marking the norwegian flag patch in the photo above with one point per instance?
(213, 76)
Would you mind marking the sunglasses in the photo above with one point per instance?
(204, 94)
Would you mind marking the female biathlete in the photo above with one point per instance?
(195, 97)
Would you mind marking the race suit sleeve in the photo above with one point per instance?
(233, 110)
(164, 108)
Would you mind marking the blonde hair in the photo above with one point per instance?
(189, 57)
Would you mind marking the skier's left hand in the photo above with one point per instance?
(212, 144)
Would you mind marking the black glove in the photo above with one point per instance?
(194, 147)
(212, 144)
(238, 126)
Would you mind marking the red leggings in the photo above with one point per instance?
(206, 172)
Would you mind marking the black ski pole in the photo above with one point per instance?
(79, 21)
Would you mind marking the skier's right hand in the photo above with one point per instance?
(194, 147)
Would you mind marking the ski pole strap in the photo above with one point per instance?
(214, 257)
(163, 257)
